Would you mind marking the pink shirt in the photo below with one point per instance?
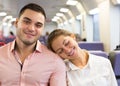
(39, 68)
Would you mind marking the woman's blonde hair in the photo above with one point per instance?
(54, 34)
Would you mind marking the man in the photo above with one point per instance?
(25, 61)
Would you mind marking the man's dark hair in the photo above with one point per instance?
(34, 7)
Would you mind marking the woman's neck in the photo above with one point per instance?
(82, 60)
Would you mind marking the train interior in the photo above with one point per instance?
(96, 22)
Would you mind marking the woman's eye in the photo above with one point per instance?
(66, 43)
(60, 51)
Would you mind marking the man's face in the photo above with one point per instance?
(29, 26)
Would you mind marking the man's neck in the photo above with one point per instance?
(24, 50)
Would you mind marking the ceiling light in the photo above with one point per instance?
(56, 18)
(64, 10)
(118, 1)
(70, 20)
(65, 23)
(13, 19)
(79, 17)
(8, 17)
(71, 2)
(94, 11)
(59, 14)
(3, 14)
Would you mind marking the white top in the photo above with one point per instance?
(97, 72)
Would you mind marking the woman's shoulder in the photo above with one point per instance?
(98, 59)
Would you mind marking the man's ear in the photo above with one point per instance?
(16, 22)
(73, 36)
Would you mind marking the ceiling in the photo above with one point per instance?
(51, 7)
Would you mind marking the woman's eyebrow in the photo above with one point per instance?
(64, 41)
(60, 48)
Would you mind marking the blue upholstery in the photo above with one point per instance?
(42, 39)
(91, 45)
(2, 43)
(99, 53)
(114, 57)
(118, 80)
(7, 39)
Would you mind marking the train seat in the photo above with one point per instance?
(114, 57)
(99, 53)
(91, 45)
(7, 39)
(118, 80)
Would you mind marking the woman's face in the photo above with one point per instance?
(66, 47)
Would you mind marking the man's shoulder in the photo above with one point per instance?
(50, 54)
(5, 46)
(5, 50)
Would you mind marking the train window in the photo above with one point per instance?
(96, 36)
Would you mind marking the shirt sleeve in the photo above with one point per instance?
(58, 78)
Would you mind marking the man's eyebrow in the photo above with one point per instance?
(40, 23)
(27, 18)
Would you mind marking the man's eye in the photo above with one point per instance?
(39, 25)
(26, 22)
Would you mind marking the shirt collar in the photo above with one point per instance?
(90, 61)
(12, 48)
(71, 66)
(38, 46)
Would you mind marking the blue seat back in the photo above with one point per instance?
(91, 45)
(114, 57)
(100, 53)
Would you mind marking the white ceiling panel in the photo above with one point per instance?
(12, 7)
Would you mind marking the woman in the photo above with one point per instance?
(83, 68)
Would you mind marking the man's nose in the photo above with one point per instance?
(31, 27)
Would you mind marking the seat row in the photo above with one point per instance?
(97, 48)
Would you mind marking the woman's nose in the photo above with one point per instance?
(66, 49)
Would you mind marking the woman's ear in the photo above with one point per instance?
(73, 36)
